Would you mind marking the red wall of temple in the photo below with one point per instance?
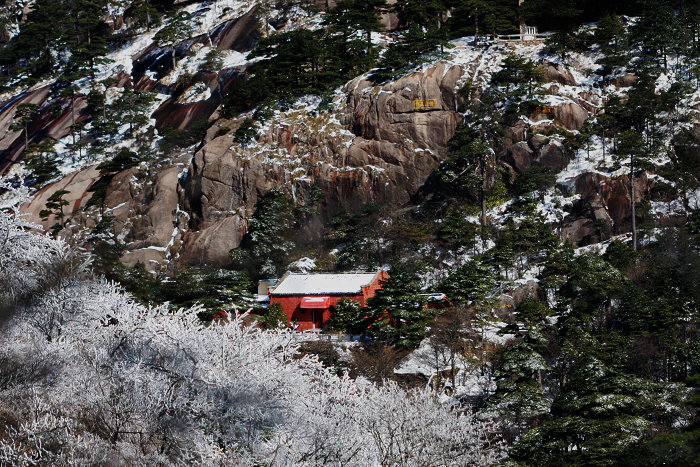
(308, 318)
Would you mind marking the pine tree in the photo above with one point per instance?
(89, 33)
(598, 416)
(145, 14)
(620, 255)
(265, 247)
(348, 316)
(471, 284)
(455, 231)
(631, 151)
(218, 290)
(179, 28)
(557, 269)
(482, 17)
(415, 45)
(124, 159)
(275, 317)
(472, 167)
(551, 15)
(54, 206)
(591, 286)
(79, 142)
(519, 392)
(530, 237)
(24, 115)
(520, 79)
(654, 34)
(610, 35)
(44, 32)
(41, 161)
(397, 311)
(428, 14)
(291, 62)
(131, 107)
(358, 15)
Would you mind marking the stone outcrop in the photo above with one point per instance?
(51, 122)
(571, 115)
(77, 185)
(553, 155)
(555, 73)
(239, 34)
(392, 152)
(520, 156)
(388, 113)
(379, 146)
(603, 209)
(538, 152)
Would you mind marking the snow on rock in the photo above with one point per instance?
(303, 265)
(199, 92)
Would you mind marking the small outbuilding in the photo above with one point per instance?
(308, 299)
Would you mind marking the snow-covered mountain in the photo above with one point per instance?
(366, 145)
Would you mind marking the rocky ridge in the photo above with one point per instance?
(373, 146)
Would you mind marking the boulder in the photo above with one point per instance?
(515, 133)
(611, 196)
(157, 61)
(178, 113)
(389, 112)
(520, 156)
(625, 81)
(556, 73)
(537, 141)
(571, 115)
(553, 155)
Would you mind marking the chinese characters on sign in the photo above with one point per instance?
(420, 104)
(545, 110)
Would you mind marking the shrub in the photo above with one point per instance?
(224, 130)
(348, 316)
(620, 255)
(246, 132)
(275, 317)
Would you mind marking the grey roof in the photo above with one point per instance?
(323, 284)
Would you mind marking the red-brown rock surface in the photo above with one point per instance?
(394, 150)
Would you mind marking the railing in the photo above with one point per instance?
(314, 336)
(540, 36)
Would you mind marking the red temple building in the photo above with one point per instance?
(308, 299)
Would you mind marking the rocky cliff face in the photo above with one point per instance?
(374, 146)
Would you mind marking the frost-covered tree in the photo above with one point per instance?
(24, 256)
(89, 376)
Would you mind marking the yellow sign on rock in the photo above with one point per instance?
(421, 104)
